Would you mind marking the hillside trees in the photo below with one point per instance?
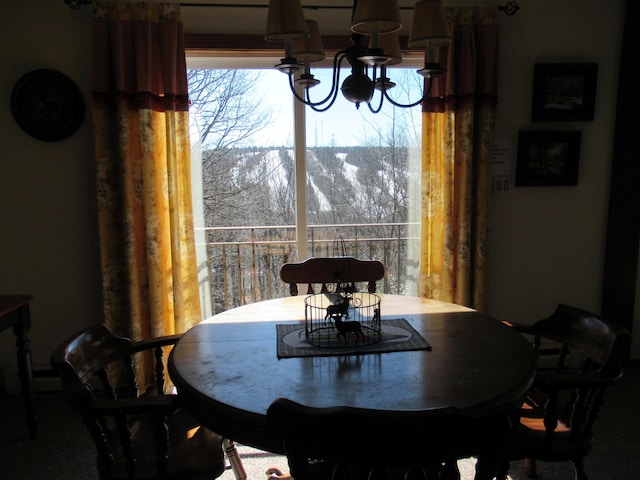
(247, 185)
(243, 185)
(228, 115)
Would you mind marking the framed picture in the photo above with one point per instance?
(564, 91)
(548, 158)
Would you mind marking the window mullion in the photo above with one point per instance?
(300, 153)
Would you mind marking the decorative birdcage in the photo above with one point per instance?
(342, 319)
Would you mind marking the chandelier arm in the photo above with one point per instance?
(376, 110)
(293, 90)
(316, 108)
(425, 95)
(371, 109)
(337, 65)
(314, 105)
(337, 61)
(333, 93)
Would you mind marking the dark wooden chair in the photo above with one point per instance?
(332, 274)
(136, 434)
(558, 416)
(343, 443)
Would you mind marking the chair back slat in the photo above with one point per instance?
(330, 273)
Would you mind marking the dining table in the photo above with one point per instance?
(229, 368)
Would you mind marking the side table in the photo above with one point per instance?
(14, 312)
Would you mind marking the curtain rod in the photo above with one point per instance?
(510, 8)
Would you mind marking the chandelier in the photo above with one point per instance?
(379, 20)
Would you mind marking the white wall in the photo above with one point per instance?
(48, 228)
(547, 244)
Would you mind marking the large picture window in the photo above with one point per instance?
(277, 182)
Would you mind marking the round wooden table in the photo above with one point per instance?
(228, 371)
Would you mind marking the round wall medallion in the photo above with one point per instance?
(47, 104)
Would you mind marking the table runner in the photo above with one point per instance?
(397, 335)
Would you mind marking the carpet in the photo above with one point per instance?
(397, 335)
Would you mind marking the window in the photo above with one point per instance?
(260, 202)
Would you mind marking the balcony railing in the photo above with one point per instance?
(240, 265)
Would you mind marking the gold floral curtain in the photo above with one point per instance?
(140, 114)
(457, 132)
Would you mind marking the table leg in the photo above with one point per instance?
(25, 368)
(490, 459)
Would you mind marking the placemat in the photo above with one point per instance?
(397, 335)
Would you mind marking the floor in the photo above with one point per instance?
(63, 450)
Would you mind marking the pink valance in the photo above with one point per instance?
(138, 53)
(470, 60)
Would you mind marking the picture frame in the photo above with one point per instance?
(548, 158)
(564, 91)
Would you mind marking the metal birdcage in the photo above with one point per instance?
(342, 319)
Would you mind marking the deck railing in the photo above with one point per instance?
(240, 265)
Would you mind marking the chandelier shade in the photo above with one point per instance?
(310, 50)
(373, 17)
(430, 27)
(378, 19)
(285, 21)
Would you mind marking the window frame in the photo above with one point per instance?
(201, 48)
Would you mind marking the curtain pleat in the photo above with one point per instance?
(458, 122)
(140, 113)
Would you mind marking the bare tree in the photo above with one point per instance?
(229, 112)
(227, 106)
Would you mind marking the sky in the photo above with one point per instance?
(340, 125)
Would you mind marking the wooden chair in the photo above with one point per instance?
(332, 274)
(558, 416)
(136, 434)
(343, 443)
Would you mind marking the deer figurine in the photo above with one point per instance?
(347, 327)
(339, 309)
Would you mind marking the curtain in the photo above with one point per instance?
(457, 132)
(140, 114)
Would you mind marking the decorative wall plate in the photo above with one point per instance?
(47, 104)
